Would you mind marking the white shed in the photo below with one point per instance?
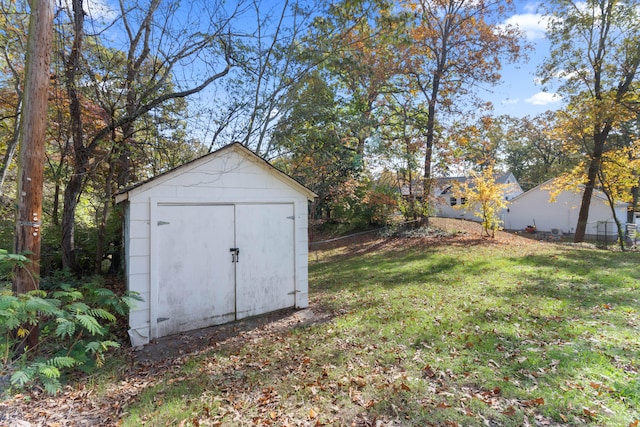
(561, 216)
(221, 238)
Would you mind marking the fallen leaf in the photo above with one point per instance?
(533, 402)
(589, 413)
(428, 372)
(510, 411)
(634, 423)
(564, 418)
(405, 387)
(312, 414)
(443, 405)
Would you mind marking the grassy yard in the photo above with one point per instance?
(447, 330)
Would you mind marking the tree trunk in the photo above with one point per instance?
(599, 139)
(71, 196)
(102, 227)
(74, 186)
(33, 132)
(431, 125)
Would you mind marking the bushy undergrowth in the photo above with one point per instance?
(74, 322)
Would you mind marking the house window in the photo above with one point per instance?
(453, 201)
(463, 200)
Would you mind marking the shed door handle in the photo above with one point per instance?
(235, 254)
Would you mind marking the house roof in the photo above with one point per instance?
(448, 181)
(123, 194)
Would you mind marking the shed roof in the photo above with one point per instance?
(123, 194)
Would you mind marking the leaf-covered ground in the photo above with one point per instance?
(440, 328)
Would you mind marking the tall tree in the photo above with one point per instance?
(155, 39)
(32, 139)
(618, 169)
(312, 150)
(596, 50)
(269, 60)
(361, 45)
(458, 44)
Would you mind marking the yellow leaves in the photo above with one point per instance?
(22, 332)
(484, 197)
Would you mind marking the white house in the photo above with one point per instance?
(534, 208)
(446, 201)
(221, 238)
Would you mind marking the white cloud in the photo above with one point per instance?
(534, 25)
(100, 9)
(544, 98)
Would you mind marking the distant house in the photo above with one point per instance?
(447, 203)
(534, 208)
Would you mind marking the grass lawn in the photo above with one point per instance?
(447, 330)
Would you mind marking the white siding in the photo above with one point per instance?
(535, 208)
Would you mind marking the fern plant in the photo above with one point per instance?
(74, 322)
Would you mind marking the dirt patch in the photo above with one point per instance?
(442, 232)
(203, 340)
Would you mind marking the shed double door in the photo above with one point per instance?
(219, 263)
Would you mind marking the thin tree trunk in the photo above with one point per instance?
(74, 186)
(612, 206)
(33, 132)
(431, 124)
(102, 226)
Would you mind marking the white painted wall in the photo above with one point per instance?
(233, 176)
(535, 206)
(444, 203)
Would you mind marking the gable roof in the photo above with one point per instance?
(123, 194)
(445, 184)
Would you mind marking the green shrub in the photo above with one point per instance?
(74, 322)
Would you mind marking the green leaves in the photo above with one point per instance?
(90, 323)
(74, 327)
(65, 328)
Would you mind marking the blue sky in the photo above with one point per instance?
(519, 94)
